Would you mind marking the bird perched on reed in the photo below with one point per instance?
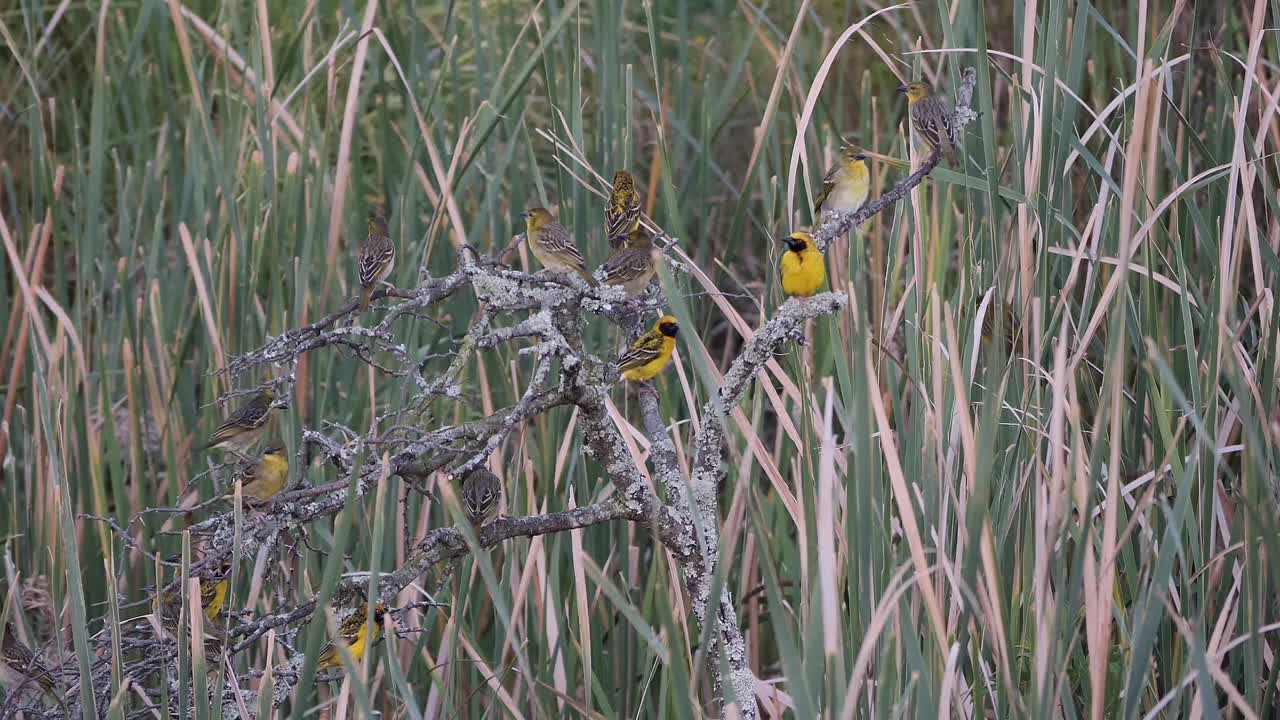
(622, 214)
(845, 186)
(803, 270)
(20, 665)
(481, 492)
(240, 431)
(552, 244)
(377, 257)
(930, 119)
(634, 264)
(651, 352)
(355, 633)
(264, 478)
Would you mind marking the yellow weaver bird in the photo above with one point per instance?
(634, 264)
(377, 257)
(845, 186)
(930, 119)
(552, 244)
(803, 270)
(240, 431)
(481, 492)
(651, 352)
(20, 665)
(355, 633)
(265, 478)
(213, 595)
(622, 214)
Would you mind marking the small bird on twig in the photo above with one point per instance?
(930, 119)
(355, 633)
(651, 352)
(264, 478)
(552, 244)
(803, 270)
(845, 186)
(481, 492)
(240, 431)
(19, 665)
(634, 264)
(622, 214)
(377, 257)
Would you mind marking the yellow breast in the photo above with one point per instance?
(802, 273)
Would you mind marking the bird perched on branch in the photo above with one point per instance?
(213, 593)
(20, 665)
(651, 352)
(240, 431)
(377, 257)
(930, 119)
(622, 214)
(267, 476)
(481, 492)
(803, 270)
(552, 244)
(634, 264)
(355, 633)
(845, 186)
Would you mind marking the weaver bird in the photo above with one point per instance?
(480, 494)
(240, 431)
(213, 596)
(267, 476)
(634, 264)
(20, 665)
(553, 245)
(802, 267)
(930, 119)
(622, 214)
(845, 186)
(355, 633)
(650, 352)
(377, 257)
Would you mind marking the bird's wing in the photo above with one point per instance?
(378, 251)
(625, 265)
(828, 183)
(644, 350)
(555, 239)
(621, 213)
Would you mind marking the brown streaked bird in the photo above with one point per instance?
(632, 266)
(622, 214)
(930, 119)
(240, 431)
(20, 665)
(552, 244)
(481, 492)
(377, 257)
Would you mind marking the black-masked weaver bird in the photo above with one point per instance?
(377, 257)
(803, 271)
(930, 119)
(240, 431)
(354, 632)
(622, 214)
(651, 352)
(552, 244)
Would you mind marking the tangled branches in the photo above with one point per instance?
(548, 309)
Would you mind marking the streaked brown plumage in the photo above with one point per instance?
(931, 119)
(622, 214)
(481, 492)
(633, 265)
(19, 665)
(241, 430)
(552, 244)
(377, 257)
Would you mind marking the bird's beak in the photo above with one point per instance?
(903, 88)
(525, 214)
